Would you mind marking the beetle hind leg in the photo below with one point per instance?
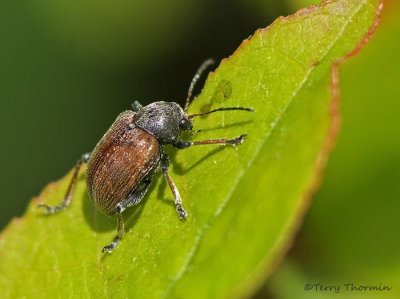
(68, 195)
(133, 199)
(120, 233)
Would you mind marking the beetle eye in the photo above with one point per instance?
(185, 124)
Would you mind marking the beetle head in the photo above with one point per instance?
(164, 120)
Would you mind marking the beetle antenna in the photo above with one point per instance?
(196, 77)
(221, 109)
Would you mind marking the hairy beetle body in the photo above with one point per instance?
(122, 164)
(120, 161)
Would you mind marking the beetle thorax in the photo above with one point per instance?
(162, 120)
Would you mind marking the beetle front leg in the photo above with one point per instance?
(180, 144)
(68, 195)
(120, 233)
(178, 200)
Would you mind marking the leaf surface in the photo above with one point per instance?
(244, 202)
(350, 235)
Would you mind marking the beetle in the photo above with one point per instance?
(121, 166)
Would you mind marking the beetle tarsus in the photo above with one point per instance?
(110, 247)
(181, 212)
(121, 232)
(52, 209)
(237, 140)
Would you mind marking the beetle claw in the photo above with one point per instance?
(181, 212)
(51, 209)
(110, 247)
(237, 140)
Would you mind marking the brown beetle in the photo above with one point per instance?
(121, 166)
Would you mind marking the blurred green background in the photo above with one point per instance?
(68, 69)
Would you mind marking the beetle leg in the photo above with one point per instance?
(180, 144)
(68, 195)
(136, 106)
(135, 198)
(178, 200)
(120, 233)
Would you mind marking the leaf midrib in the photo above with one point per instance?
(277, 120)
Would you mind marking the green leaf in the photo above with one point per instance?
(244, 202)
(351, 233)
